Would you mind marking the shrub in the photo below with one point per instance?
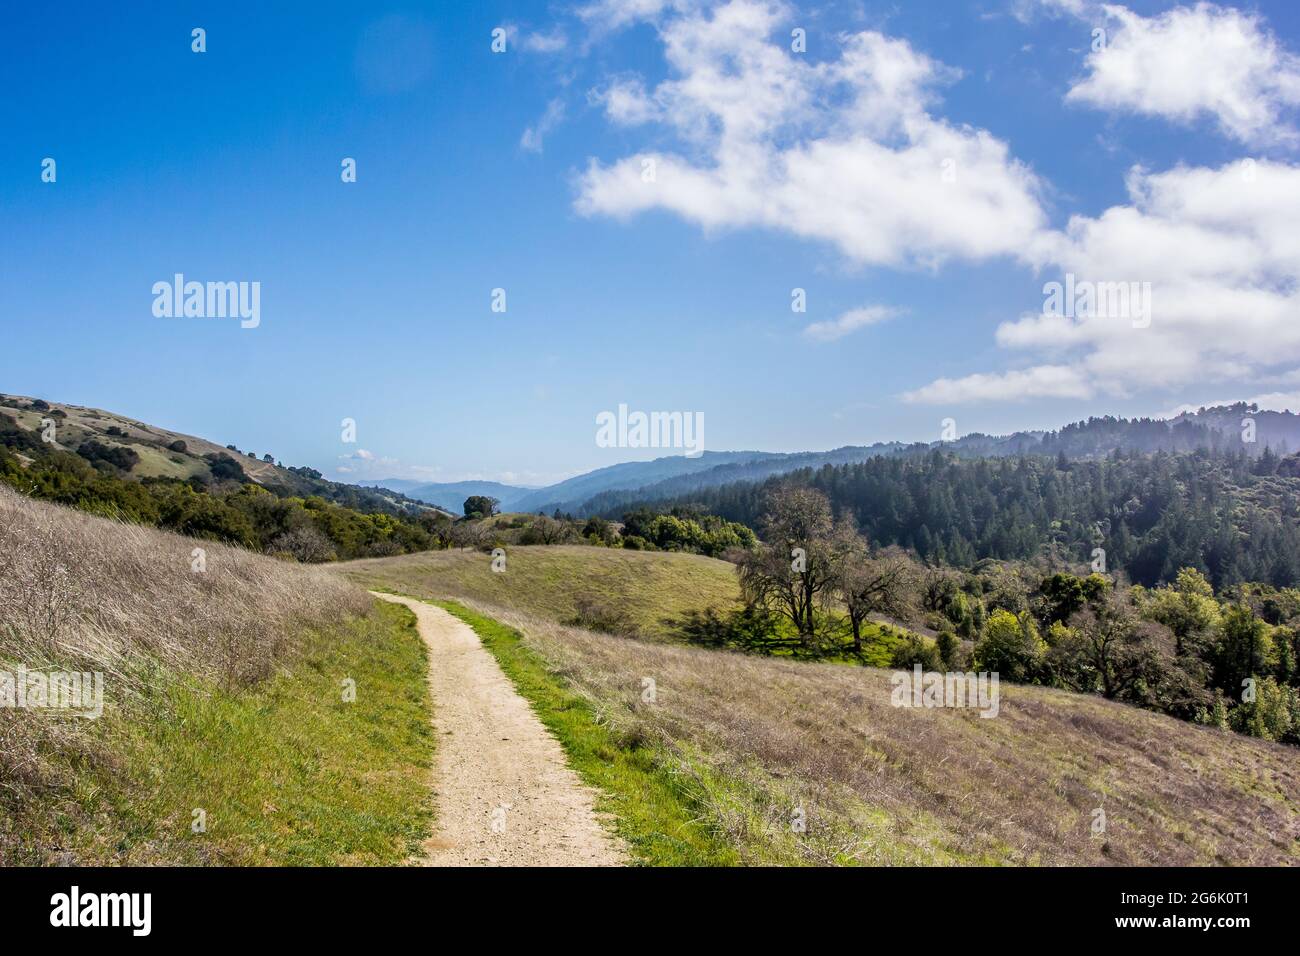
(115, 455)
(913, 650)
(948, 646)
(746, 628)
(306, 544)
(1010, 647)
(596, 614)
(225, 468)
(1274, 714)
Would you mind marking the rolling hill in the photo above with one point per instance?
(749, 744)
(555, 581)
(163, 453)
(219, 702)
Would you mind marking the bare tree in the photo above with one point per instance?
(550, 530)
(306, 544)
(938, 585)
(796, 562)
(467, 534)
(884, 583)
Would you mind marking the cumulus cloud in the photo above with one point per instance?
(849, 151)
(843, 151)
(849, 321)
(1194, 62)
(1222, 256)
(626, 103)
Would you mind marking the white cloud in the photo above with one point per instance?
(1026, 10)
(533, 137)
(843, 151)
(626, 103)
(1222, 254)
(1191, 62)
(552, 42)
(366, 464)
(616, 14)
(849, 321)
(1043, 381)
(1269, 402)
(848, 151)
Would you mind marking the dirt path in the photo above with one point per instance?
(504, 794)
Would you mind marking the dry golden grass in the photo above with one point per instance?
(81, 594)
(756, 739)
(551, 581)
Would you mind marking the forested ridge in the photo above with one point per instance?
(1230, 516)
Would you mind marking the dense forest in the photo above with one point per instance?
(1219, 429)
(1232, 517)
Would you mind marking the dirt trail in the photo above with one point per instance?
(504, 794)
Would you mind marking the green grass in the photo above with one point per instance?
(287, 772)
(652, 807)
(549, 581)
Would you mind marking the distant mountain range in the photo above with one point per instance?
(596, 491)
(451, 495)
(630, 475)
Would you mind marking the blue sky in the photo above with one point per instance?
(1168, 156)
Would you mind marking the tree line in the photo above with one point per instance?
(814, 586)
(1233, 517)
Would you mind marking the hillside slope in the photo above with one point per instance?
(554, 581)
(756, 744)
(224, 736)
(167, 454)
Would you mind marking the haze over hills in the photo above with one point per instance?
(632, 474)
(452, 494)
(1219, 426)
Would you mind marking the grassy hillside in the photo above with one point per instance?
(222, 693)
(745, 744)
(169, 454)
(552, 582)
